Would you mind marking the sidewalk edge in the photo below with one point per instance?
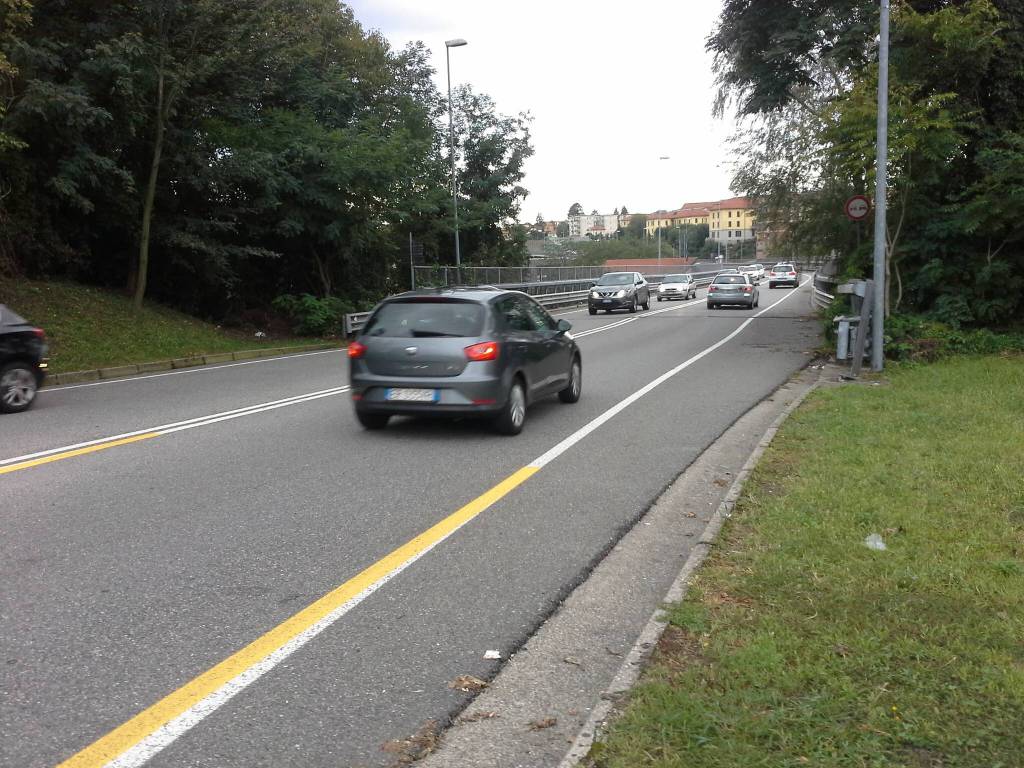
(633, 663)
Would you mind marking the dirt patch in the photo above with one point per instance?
(416, 747)
(678, 649)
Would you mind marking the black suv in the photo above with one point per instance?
(23, 353)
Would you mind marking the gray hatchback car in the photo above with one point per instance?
(461, 352)
(733, 289)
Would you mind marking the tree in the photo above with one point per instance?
(216, 155)
(804, 75)
(623, 211)
(562, 230)
(494, 147)
(575, 209)
(637, 225)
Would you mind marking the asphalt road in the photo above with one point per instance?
(129, 569)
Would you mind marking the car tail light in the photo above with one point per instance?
(712, 288)
(792, 274)
(748, 288)
(40, 333)
(356, 350)
(485, 350)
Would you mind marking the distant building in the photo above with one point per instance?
(657, 220)
(594, 224)
(732, 220)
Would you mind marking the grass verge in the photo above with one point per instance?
(93, 328)
(798, 645)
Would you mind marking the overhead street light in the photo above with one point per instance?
(458, 42)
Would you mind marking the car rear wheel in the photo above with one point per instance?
(571, 393)
(373, 420)
(659, 299)
(512, 417)
(18, 387)
(591, 310)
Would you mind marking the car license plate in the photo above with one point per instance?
(606, 301)
(412, 395)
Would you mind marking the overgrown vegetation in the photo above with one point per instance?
(215, 155)
(804, 78)
(94, 328)
(799, 645)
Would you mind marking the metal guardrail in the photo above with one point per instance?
(820, 298)
(550, 299)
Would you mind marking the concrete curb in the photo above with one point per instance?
(633, 664)
(121, 371)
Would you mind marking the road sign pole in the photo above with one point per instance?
(881, 168)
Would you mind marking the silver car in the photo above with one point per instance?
(732, 289)
(677, 287)
(479, 352)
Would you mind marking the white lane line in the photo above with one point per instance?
(177, 426)
(193, 369)
(634, 318)
(585, 430)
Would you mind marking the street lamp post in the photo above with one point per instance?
(448, 45)
(662, 157)
(881, 168)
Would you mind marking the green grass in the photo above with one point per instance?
(93, 328)
(799, 646)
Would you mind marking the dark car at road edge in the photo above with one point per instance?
(23, 361)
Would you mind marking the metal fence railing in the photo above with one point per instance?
(823, 290)
(551, 294)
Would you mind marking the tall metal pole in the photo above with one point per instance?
(451, 147)
(412, 265)
(659, 246)
(881, 179)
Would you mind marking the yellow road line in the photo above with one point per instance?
(76, 452)
(128, 735)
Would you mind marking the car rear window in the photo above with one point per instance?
(422, 319)
(730, 279)
(783, 268)
(675, 279)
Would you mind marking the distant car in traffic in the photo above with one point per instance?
(732, 289)
(783, 273)
(461, 352)
(23, 362)
(619, 290)
(677, 287)
(756, 272)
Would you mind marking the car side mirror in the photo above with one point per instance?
(563, 326)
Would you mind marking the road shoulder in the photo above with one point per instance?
(550, 695)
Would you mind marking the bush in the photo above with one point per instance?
(311, 316)
(918, 338)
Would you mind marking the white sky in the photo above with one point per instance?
(611, 87)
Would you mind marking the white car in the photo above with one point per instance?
(783, 274)
(677, 287)
(754, 271)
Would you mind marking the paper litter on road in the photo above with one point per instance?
(492, 654)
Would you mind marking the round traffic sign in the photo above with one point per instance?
(857, 208)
